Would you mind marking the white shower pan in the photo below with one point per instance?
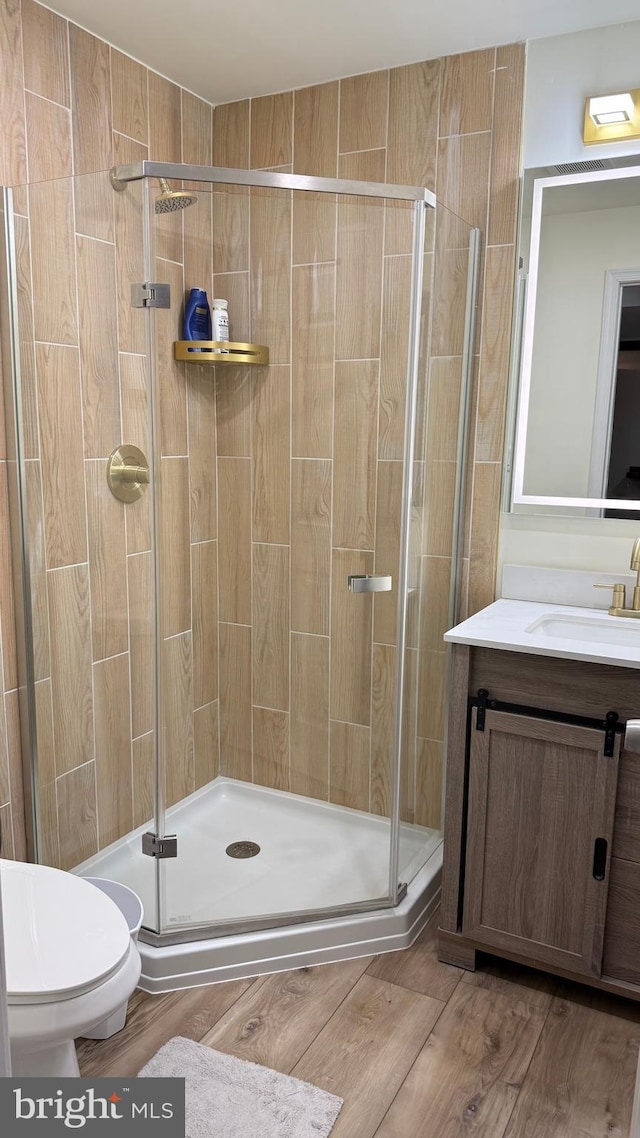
(313, 855)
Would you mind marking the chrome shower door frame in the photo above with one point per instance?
(422, 199)
(20, 552)
(224, 175)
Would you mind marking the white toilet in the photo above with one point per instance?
(70, 964)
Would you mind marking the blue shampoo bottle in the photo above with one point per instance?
(197, 316)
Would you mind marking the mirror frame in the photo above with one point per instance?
(518, 497)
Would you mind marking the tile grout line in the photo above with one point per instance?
(330, 620)
(100, 240)
(477, 356)
(290, 458)
(372, 652)
(217, 758)
(129, 137)
(84, 450)
(251, 452)
(46, 98)
(365, 149)
(189, 380)
(53, 730)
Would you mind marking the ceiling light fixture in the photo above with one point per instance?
(612, 118)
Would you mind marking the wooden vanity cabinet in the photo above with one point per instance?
(542, 817)
(539, 825)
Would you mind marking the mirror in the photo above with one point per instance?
(577, 441)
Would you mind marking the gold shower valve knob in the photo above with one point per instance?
(127, 472)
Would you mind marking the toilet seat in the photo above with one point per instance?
(63, 937)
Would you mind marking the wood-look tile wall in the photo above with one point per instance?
(70, 105)
(309, 455)
(304, 489)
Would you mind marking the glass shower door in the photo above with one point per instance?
(438, 538)
(277, 484)
(217, 602)
(87, 682)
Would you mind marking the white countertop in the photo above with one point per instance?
(504, 625)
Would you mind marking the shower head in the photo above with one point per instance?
(166, 202)
(171, 200)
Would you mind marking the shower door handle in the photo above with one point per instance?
(365, 583)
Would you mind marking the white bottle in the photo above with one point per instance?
(220, 322)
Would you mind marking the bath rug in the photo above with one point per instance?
(232, 1098)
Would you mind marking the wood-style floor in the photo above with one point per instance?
(416, 1048)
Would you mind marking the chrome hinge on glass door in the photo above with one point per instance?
(150, 294)
(153, 846)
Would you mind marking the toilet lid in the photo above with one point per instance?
(62, 936)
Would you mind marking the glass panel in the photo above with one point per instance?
(83, 391)
(277, 483)
(433, 562)
(269, 487)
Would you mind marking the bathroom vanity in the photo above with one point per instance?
(542, 811)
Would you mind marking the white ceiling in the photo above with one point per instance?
(225, 51)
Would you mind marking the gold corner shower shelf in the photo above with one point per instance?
(218, 353)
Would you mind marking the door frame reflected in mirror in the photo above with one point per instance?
(595, 504)
(616, 280)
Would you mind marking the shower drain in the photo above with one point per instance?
(243, 849)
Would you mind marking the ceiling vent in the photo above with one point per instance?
(584, 167)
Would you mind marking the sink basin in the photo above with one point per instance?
(594, 629)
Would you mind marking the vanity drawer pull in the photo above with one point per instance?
(599, 858)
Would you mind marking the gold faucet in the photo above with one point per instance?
(618, 607)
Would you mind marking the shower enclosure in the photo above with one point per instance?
(234, 565)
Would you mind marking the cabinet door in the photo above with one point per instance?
(540, 795)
